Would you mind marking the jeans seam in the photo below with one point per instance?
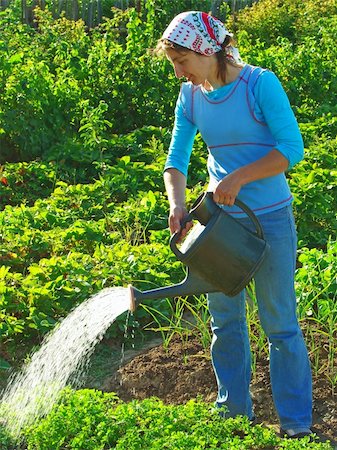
(293, 236)
(242, 321)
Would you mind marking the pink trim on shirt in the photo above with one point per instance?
(250, 107)
(241, 143)
(264, 207)
(238, 81)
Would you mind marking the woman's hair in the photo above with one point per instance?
(222, 57)
(164, 44)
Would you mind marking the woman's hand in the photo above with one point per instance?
(228, 189)
(177, 214)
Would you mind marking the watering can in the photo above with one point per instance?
(223, 256)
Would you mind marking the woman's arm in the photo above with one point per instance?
(182, 140)
(175, 171)
(274, 108)
(175, 184)
(229, 187)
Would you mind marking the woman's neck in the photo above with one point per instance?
(232, 73)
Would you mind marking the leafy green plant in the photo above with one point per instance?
(267, 20)
(92, 420)
(25, 182)
(56, 81)
(6, 441)
(315, 192)
(317, 287)
(84, 208)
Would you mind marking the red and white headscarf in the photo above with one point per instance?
(201, 33)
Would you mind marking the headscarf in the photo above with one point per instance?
(201, 33)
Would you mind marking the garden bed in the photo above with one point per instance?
(184, 371)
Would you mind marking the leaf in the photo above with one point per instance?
(4, 271)
(17, 57)
(35, 270)
(4, 365)
(126, 159)
(310, 177)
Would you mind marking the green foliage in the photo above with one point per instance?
(268, 20)
(58, 250)
(62, 84)
(165, 11)
(6, 442)
(317, 284)
(316, 287)
(314, 187)
(82, 207)
(70, 246)
(92, 420)
(141, 151)
(25, 182)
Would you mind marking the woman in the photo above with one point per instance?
(245, 118)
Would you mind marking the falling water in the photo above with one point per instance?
(61, 360)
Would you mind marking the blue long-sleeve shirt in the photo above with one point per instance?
(240, 123)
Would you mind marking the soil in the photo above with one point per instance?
(183, 371)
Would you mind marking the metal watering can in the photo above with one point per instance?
(223, 257)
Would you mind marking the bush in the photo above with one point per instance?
(62, 83)
(317, 285)
(315, 191)
(269, 20)
(300, 53)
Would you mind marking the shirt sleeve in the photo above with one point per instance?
(274, 107)
(182, 140)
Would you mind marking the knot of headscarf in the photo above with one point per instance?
(201, 33)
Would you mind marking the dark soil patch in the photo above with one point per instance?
(184, 371)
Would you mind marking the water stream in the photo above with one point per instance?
(61, 360)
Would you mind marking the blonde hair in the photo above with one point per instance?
(164, 44)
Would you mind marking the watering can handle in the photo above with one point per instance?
(252, 216)
(176, 236)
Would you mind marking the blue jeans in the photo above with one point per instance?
(290, 372)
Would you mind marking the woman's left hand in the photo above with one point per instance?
(227, 189)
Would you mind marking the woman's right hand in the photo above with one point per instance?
(175, 183)
(177, 215)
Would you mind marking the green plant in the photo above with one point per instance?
(186, 317)
(88, 209)
(316, 288)
(315, 192)
(267, 20)
(96, 421)
(6, 441)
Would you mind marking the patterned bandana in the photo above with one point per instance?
(199, 32)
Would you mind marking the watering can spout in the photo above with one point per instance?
(191, 285)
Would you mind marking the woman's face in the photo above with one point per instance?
(191, 65)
